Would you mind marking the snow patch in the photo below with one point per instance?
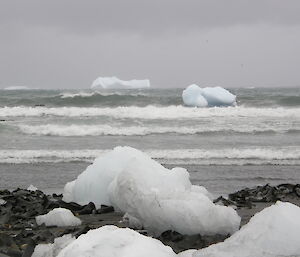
(115, 83)
(59, 217)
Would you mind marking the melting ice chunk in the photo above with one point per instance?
(196, 96)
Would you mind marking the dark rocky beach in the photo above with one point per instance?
(19, 232)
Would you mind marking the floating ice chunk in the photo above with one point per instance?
(270, 233)
(218, 96)
(32, 188)
(110, 241)
(52, 250)
(59, 217)
(194, 95)
(115, 83)
(158, 198)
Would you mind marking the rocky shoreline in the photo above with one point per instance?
(19, 232)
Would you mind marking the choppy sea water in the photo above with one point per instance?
(47, 137)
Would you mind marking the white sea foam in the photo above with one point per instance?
(17, 88)
(37, 156)
(79, 94)
(95, 93)
(99, 130)
(226, 156)
(151, 112)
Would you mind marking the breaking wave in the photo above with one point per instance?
(227, 156)
(151, 112)
(100, 94)
(79, 94)
(105, 99)
(15, 88)
(105, 130)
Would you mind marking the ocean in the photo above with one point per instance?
(48, 137)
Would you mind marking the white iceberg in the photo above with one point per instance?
(192, 96)
(111, 241)
(115, 83)
(196, 96)
(272, 232)
(59, 217)
(158, 198)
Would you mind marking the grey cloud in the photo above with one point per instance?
(144, 16)
(68, 43)
(240, 56)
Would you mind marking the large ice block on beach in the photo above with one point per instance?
(187, 253)
(159, 198)
(115, 83)
(52, 250)
(110, 241)
(59, 217)
(163, 199)
(68, 195)
(272, 232)
(196, 96)
(93, 183)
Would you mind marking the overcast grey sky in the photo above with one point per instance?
(230, 43)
